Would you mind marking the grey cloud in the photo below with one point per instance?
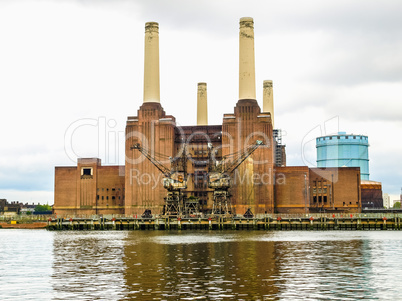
(27, 180)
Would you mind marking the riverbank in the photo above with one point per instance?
(306, 222)
(34, 225)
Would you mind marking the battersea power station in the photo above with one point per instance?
(234, 168)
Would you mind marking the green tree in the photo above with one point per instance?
(43, 208)
(397, 205)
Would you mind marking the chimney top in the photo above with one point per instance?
(246, 19)
(247, 22)
(152, 27)
(267, 84)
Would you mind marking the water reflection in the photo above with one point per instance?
(242, 265)
(88, 265)
(191, 265)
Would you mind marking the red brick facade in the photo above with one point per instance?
(90, 188)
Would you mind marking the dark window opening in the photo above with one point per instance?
(86, 171)
(113, 197)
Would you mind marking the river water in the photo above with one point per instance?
(200, 265)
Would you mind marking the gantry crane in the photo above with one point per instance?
(174, 181)
(219, 178)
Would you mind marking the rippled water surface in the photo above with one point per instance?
(202, 265)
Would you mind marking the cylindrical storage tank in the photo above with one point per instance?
(344, 150)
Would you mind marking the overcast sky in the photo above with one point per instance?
(72, 71)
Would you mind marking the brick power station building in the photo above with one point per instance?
(262, 183)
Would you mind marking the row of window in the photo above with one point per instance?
(107, 189)
(320, 199)
(107, 197)
(324, 199)
(339, 137)
(200, 193)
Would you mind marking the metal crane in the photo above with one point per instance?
(174, 181)
(220, 182)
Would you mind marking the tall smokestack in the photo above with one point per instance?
(268, 99)
(246, 59)
(151, 63)
(202, 107)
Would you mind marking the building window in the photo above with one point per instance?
(113, 197)
(103, 197)
(107, 197)
(86, 173)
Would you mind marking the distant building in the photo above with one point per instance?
(386, 200)
(9, 209)
(25, 208)
(344, 150)
(3, 203)
(371, 193)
